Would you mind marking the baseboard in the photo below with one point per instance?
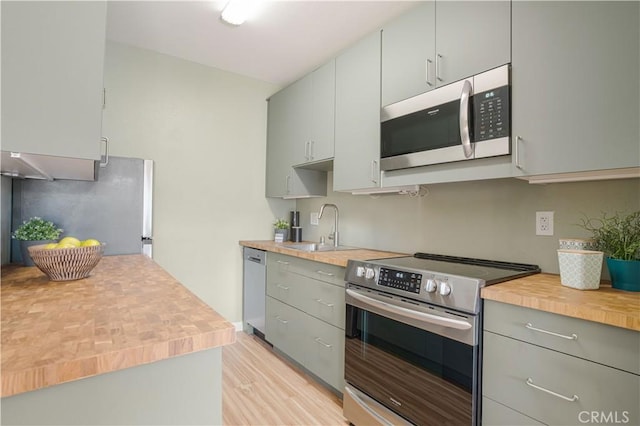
(238, 325)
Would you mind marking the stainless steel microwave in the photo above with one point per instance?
(465, 120)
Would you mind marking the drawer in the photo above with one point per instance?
(605, 344)
(512, 369)
(281, 264)
(324, 355)
(495, 414)
(323, 301)
(284, 328)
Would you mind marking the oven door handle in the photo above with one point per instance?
(410, 313)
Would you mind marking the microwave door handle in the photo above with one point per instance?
(409, 313)
(467, 148)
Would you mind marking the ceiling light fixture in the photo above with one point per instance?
(237, 11)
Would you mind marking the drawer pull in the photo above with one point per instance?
(328, 305)
(326, 345)
(281, 320)
(282, 262)
(329, 274)
(282, 287)
(574, 398)
(531, 327)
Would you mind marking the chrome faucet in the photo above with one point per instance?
(336, 241)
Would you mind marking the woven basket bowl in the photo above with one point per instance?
(66, 264)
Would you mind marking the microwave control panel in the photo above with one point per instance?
(491, 114)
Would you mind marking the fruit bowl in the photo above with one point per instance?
(66, 264)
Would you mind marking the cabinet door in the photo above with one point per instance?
(471, 37)
(52, 69)
(575, 85)
(356, 164)
(408, 54)
(494, 414)
(285, 328)
(279, 156)
(324, 354)
(322, 112)
(555, 388)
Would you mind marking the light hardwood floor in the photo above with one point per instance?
(261, 388)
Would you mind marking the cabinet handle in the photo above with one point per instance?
(281, 320)
(428, 68)
(328, 274)
(282, 287)
(106, 151)
(328, 305)
(438, 64)
(516, 144)
(374, 170)
(531, 327)
(282, 262)
(311, 150)
(286, 184)
(326, 345)
(529, 382)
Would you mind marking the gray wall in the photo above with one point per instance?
(492, 219)
(205, 130)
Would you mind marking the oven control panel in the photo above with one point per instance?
(401, 280)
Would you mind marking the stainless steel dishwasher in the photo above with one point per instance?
(254, 289)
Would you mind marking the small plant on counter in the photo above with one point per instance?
(618, 236)
(37, 229)
(281, 224)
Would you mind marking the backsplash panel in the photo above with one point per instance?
(492, 219)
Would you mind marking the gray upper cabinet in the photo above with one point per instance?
(575, 85)
(471, 37)
(283, 133)
(312, 115)
(408, 54)
(52, 77)
(357, 150)
(440, 42)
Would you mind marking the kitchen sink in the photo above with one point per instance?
(316, 247)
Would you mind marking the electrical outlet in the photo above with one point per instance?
(544, 223)
(314, 218)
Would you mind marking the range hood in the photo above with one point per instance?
(47, 167)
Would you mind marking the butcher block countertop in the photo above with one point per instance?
(545, 293)
(338, 258)
(129, 312)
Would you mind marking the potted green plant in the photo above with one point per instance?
(281, 229)
(618, 236)
(33, 232)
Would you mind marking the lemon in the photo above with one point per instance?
(51, 246)
(90, 242)
(64, 245)
(73, 241)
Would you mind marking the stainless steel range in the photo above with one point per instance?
(413, 338)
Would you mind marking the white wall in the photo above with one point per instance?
(492, 219)
(205, 129)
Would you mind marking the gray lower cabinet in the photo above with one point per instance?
(306, 313)
(52, 77)
(575, 86)
(356, 164)
(548, 368)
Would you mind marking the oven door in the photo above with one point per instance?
(418, 361)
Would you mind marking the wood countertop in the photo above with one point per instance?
(545, 293)
(338, 258)
(129, 312)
